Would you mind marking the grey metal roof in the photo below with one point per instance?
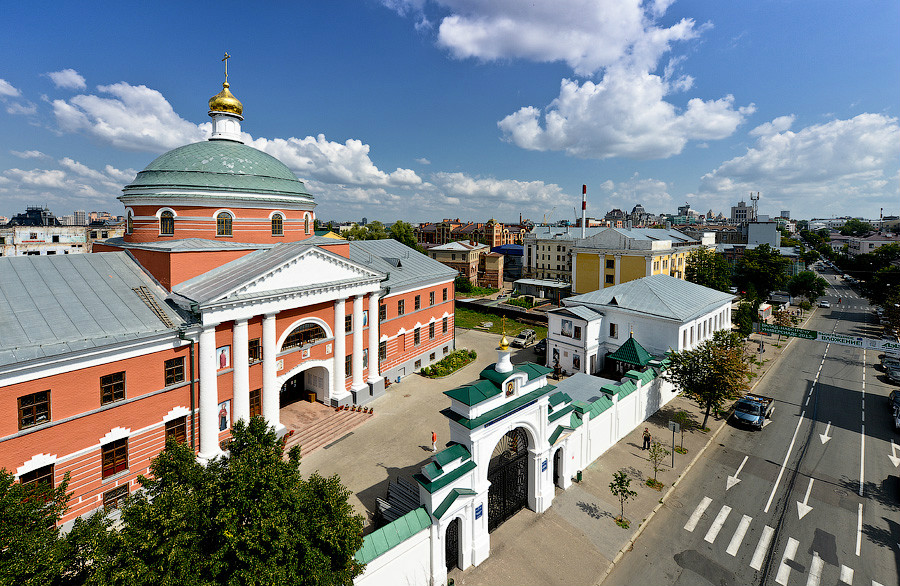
(659, 295)
(543, 283)
(385, 256)
(51, 305)
(655, 234)
(579, 311)
(186, 245)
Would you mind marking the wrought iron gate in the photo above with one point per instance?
(508, 475)
(451, 544)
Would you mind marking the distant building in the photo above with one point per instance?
(80, 218)
(38, 232)
(741, 214)
(472, 260)
(870, 243)
(786, 214)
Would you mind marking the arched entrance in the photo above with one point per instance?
(508, 475)
(451, 545)
(558, 467)
(307, 385)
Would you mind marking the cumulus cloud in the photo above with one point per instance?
(67, 79)
(653, 194)
(8, 90)
(74, 185)
(29, 154)
(423, 161)
(818, 166)
(624, 115)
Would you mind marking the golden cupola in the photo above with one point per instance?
(224, 101)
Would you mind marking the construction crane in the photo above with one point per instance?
(548, 216)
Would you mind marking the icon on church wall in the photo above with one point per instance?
(576, 362)
(365, 318)
(566, 329)
(223, 355)
(224, 415)
(511, 388)
(556, 355)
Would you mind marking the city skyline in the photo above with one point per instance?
(418, 110)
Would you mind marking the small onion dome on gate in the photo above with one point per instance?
(224, 101)
(504, 343)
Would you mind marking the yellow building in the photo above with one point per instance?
(619, 255)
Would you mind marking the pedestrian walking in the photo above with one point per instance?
(433, 442)
(647, 439)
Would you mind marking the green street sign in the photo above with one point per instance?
(787, 331)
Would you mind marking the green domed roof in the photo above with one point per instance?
(219, 165)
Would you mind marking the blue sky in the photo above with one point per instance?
(426, 109)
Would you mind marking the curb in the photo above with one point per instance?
(628, 544)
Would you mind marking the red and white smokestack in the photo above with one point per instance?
(583, 208)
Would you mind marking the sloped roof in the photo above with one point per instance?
(393, 534)
(579, 311)
(51, 305)
(631, 352)
(459, 246)
(414, 267)
(657, 295)
(186, 245)
(475, 393)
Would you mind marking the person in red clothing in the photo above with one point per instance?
(433, 442)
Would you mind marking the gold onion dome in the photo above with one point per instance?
(504, 343)
(224, 101)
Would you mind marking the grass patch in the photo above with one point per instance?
(476, 292)
(449, 364)
(681, 450)
(655, 484)
(470, 319)
(623, 522)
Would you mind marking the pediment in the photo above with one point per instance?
(309, 269)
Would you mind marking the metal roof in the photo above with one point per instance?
(658, 295)
(579, 311)
(51, 305)
(187, 245)
(403, 265)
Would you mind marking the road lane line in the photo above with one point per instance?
(846, 574)
(762, 547)
(859, 531)
(698, 512)
(783, 464)
(815, 570)
(717, 524)
(738, 536)
(862, 435)
(784, 570)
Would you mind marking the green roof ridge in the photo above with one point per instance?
(632, 352)
(393, 534)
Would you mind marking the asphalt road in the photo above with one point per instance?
(813, 498)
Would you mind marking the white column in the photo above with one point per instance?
(270, 390)
(338, 389)
(209, 395)
(373, 337)
(649, 270)
(357, 365)
(240, 356)
(618, 268)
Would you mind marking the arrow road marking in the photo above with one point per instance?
(803, 508)
(732, 480)
(824, 436)
(894, 459)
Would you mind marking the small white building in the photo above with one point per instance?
(660, 312)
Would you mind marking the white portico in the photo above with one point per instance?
(277, 287)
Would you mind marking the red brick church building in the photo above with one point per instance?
(219, 303)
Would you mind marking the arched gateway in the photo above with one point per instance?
(508, 475)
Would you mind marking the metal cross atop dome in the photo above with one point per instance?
(225, 59)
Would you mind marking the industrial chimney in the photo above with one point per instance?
(583, 208)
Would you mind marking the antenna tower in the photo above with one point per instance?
(754, 199)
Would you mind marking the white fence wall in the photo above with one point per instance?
(407, 563)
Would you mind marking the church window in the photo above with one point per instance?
(401, 307)
(254, 350)
(174, 370)
(177, 430)
(444, 327)
(348, 366)
(167, 224)
(34, 409)
(431, 330)
(115, 498)
(306, 224)
(277, 225)
(431, 298)
(418, 302)
(613, 331)
(348, 323)
(255, 402)
(417, 336)
(115, 457)
(445, 294)
(382, 351)
(303, 334)
(43, 476)
(223, 224)
(112, 387)
(610, 279)
(129, 223)
(365, 358)
(382, 312)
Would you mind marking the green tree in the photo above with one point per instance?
(403, 232)
(462, 284)
(656, 454)
(761, 269)
(244, 518)
(709, 269)
(855, 227)
(807, 284)
(744, 316)
(711, 373)
(684, 421)
(621, 489)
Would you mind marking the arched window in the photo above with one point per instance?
(306, 224)
(166, 224)
(303, 335)
(277, 225)
(129, 223)
(223, 224)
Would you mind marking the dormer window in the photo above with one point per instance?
(223, 224)
(166, 224)
(277, 225)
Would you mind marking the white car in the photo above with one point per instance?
(824, 304)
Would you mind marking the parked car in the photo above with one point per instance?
(889, 362)
(824, 303)
(541, 348)
(502, 297)
(525, 338)
(893, 375)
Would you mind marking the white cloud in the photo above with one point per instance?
(67, 79)
(74, 186)
(29, 154)
(653, 194)
(624, 115)
(7, 89)
(27, 108)
(423, 161)
(817, 168)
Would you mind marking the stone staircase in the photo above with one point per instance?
(324, 430)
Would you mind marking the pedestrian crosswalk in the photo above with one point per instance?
(787, 566)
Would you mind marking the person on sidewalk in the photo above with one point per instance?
(433, 442)
(647, 439)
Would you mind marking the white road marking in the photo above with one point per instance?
(732, 480)
(783, 464)
(859, 531)
(784, 570)
(698, 512)
(862, 435)
(804, 508)
(738, 536)
(874, 583)
(824, 436)
(717, 524)
(815, 570)
(846, 574)
(762, 547)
